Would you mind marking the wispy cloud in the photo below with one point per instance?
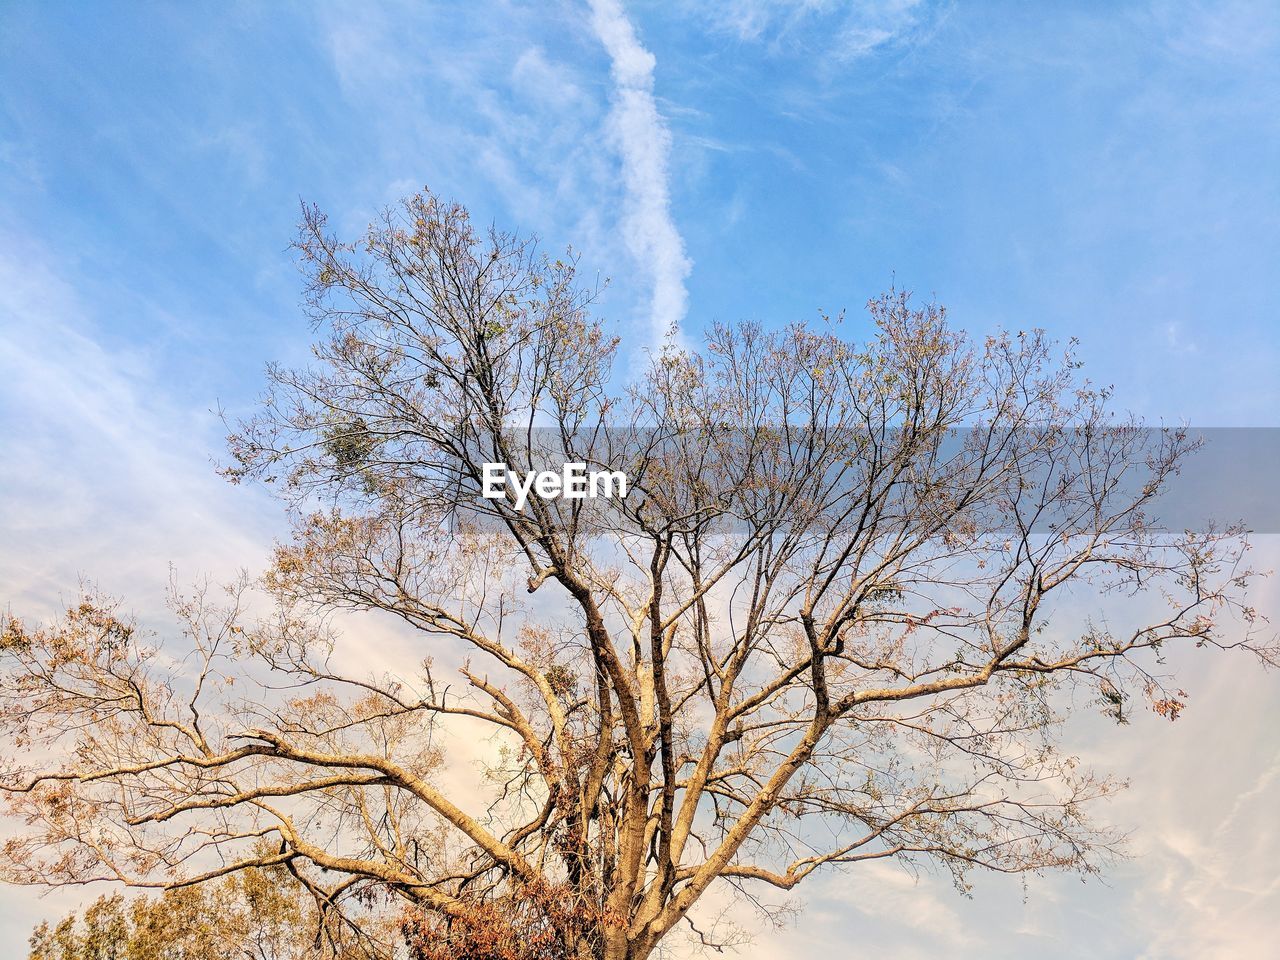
(644, 144)
(104, 475)
(842, 31)
(524, 116)
(1232, 30)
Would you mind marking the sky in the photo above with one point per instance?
(1105, 171)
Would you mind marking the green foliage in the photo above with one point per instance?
(348, 442)
(258, 914)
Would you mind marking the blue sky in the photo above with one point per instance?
(1104, 170)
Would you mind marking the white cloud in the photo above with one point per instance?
(537, 78)
(1202, 882)
(1236, 30)
(104, 474)
(839, 30)
(644, 144)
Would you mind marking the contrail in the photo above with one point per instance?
(644, 144)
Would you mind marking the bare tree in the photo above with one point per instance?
(819, 629)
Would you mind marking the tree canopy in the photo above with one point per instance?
(838, 616)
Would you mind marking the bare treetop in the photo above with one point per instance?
(831, 621)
